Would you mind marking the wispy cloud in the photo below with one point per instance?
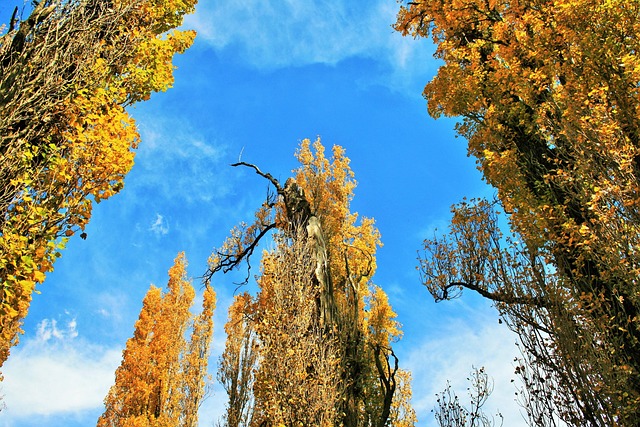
(472, 339)
(55, 372)
(160, 226)
(274, 33)
(175, 159)
(48, 329)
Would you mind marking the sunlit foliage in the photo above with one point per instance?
(67, 72)
(161, 381)
(548, 92)
(323, 332)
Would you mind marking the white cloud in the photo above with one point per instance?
(56, 373)
(159, 227)
(274, 33)
(48, 329)
(472, 339)
(279, 33)
(175, 160)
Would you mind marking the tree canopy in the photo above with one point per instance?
(67, 72)
(161, 380)
(547, 92)
(547, 95)
(318, 333)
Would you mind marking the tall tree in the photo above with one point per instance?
(323, 331)
(238, 362)
(298, 380)
(549, 96)
(160, 381)
(67, 72)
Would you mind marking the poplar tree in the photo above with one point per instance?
(548, 93)
(67, 72)
(323, 332)
(161, 380)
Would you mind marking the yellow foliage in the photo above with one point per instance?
(320, 348)
(382, 327)
(549, 95)
(160, 382)
(328, 184)
(70, 142)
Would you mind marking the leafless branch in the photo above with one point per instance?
(230, 261)
(266, 175)
(499, 297)
(387, 376)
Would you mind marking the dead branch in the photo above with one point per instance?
(266, 175)
(499, 297)
(387, 376)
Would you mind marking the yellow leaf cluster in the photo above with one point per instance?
(549, 95)
(70, 143)
(160, 382)
(307, 347)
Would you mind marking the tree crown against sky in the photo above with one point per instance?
(161, 380)
(67, 72)
(549, 99)
(231, 110)
(318, 333)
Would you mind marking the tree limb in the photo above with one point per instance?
(387, 381)
(230, 261)
(495, 296)
(266, 175)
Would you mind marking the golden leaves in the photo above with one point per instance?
(161, 379)
(329, 184)
(549, 96)
(308, 346)
(297, 380)
(70, 142)
(380, 318)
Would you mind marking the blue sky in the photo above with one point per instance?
(261, 76)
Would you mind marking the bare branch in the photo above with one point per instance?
(266, 175)
(387, 376)
(500, 297)
(229, 261)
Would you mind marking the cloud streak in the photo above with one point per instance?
(174, 159)
(276, 34)
(159, 227)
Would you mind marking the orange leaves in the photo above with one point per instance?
(549, 96)
(310, 346)
(382, 326)
(539, 87)
(161, 379)
(298, 378)
(329, 184)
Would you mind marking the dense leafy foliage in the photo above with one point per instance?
(548, 92)
(67, 72)
(161, 381)
(313, 347)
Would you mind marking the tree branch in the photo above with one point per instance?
(495, 296)
(266, 175)
(230, 261)
(387, 381)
